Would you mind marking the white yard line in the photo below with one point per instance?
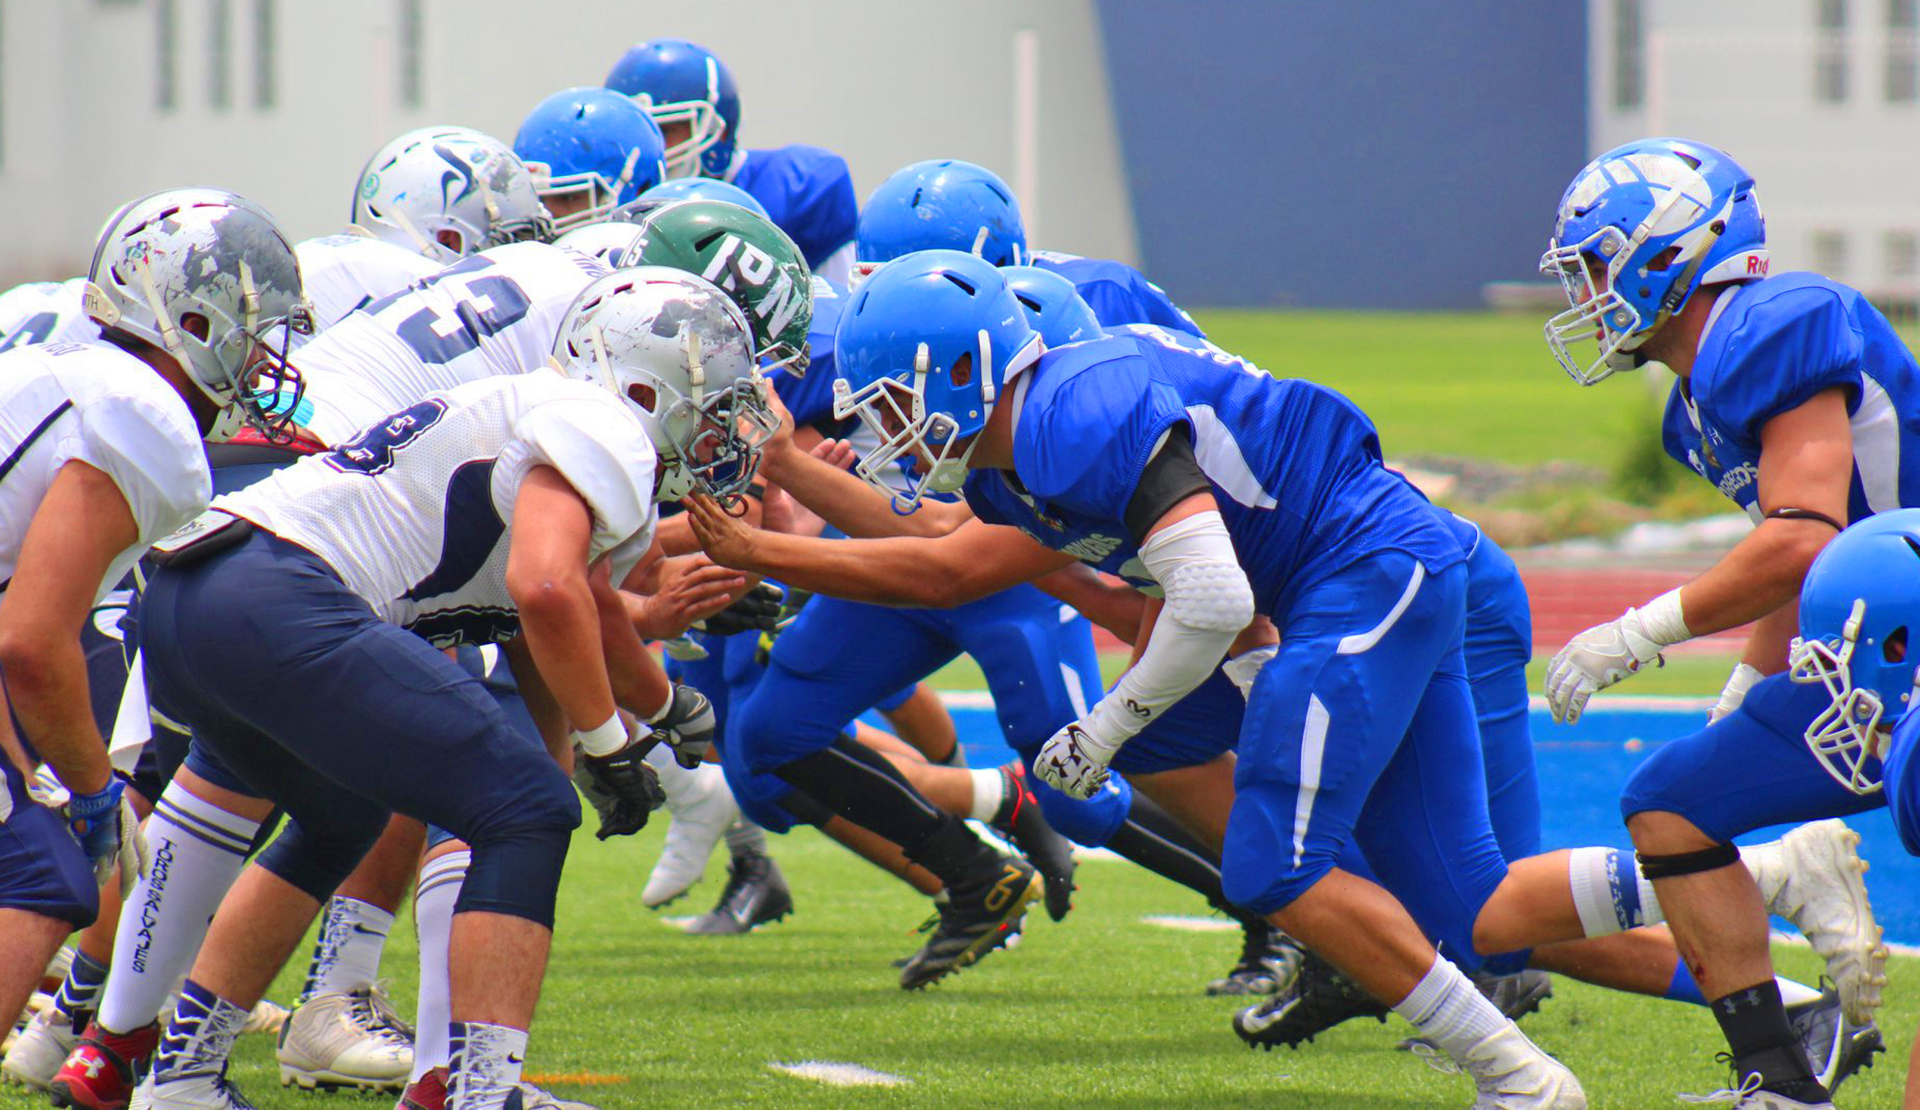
(836, 1074)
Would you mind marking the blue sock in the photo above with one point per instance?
(80, 990)
(1683, 988)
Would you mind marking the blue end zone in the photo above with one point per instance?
(1582, 770)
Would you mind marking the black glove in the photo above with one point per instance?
(687, 728)
(756, 611)
(796, 600)
(623, 789)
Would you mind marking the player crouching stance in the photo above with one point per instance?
(298, 631)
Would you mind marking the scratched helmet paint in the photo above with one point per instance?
(448, 192)
(749, 258)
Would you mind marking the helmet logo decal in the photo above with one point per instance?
(461, 172)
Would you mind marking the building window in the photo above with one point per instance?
(1903, 254)
(1829, 250)
(411, 35)
(1629, 56)
(166, 90)
(266, 60)
(1903, 51)
(1830, 51)
(220, 54)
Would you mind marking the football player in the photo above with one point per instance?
(691, 94)
(1796, 399)
(499, 512)
(448, 192)
(590, 150)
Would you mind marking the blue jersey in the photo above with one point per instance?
(806, 191)
(1295, 467)
(810, 399)
(1770, 346)
(1117, 293)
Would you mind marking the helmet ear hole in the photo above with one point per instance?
(1894, 648)
(962, 373)
(643, 395)
(195, 325)
(450, 239)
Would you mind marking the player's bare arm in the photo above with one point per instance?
(548, 581)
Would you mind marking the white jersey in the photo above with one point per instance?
(494, 313)
(61, 402)
(45, 312)
(416, 513)
(342, 273)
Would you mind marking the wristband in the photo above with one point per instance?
(605, 739)
(1662, 620)
(666, 707)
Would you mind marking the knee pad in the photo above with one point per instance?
(1090, 823)
(317, 859)
(1688, 863)
(519, 848)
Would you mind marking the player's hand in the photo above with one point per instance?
(1073, 762)
(1735, 691)
(691, 589)
(623, 790)
(727, 540)
(782, 439)
(837, 453)
(1594, 660)
(109, 833)
(687, 728)
(757, 610)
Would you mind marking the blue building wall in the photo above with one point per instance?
(1345, 153)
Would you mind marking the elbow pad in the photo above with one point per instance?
(1197, 568)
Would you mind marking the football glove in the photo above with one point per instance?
(1074, 762)
(790, 607)
(687, 727)
(109, 833)
(1735, 691)
(1594, 660)
(756, 611)
(623, 790)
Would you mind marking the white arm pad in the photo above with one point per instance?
(1208, 602)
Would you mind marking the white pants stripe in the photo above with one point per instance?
(1313, 746)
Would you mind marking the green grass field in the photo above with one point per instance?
(1101, 1010)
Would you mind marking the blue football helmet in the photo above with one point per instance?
(1054, 307)
(942, 205)
(1859, 620)
(1625, 211)
(679, 82)
(922, 352)
(704, 188)
(592, 141)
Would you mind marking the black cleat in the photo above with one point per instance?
(1269, 960)
(756, 894)
(979, 917)
(1318, 999)
(1049, 852)
(1835, 1047)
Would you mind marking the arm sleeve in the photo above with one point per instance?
(603, 453)
(153, 455)
(1797, 344)
(1209, 602)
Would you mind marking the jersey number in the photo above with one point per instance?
(372, 451)
(484, 305)
(31, 330)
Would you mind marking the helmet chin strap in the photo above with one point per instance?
(427, 246)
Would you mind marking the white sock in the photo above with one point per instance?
(1794, 994)
(433, 902)
(676, 782)
(989, 793)
(198, 850)
(744, 838)
(1449, 1011)
(1609, 891)
(346, 957)
(485, 1066)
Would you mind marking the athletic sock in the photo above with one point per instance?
(346, 956)
(1609, 892)
(855, 782)
(1449, 1011)
(1154, 839)
(990, 793)
(80, 991)
(199, 1037)
(744, 838)
(197, 851)
(1754, 1021)
(433, 903)
(485, 1064)
(956, 756)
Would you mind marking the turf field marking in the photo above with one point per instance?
(573, 1078)
(1188, 923)
(835, 1074)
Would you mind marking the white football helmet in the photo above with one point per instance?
(451, 180)
(679, 352)
(207, 253)
(610, 242)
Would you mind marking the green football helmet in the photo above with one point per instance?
(745, 255)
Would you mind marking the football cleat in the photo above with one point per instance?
(266, 1016)
(1269, 960)
(1511, 1073)
(37, 1053)
(1747, 1095)
(1814, 877)
(977, 918)
(1319, 998)
(702, 809)
(1835, 1047)
(756, 894)
(196, 1092)
(344, 1040)
(1049, 852)
(99, 1073)
(429, 1092)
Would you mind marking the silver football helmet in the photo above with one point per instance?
(207, 253)
(679, 352)
(448, 192)
(614, 243)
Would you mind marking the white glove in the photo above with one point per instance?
(1735, 692)
(1074, 763)
(135, 856)
(1245, 667)
(1606, 653)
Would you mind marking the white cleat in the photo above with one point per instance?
(1815, 878)
(1511, 1073)
(201, 1092)
(267, 1016)
(1749, 1096)
(37, 1053)
(703, 809)
(344, 1040)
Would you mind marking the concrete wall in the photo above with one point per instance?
(882, 83)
